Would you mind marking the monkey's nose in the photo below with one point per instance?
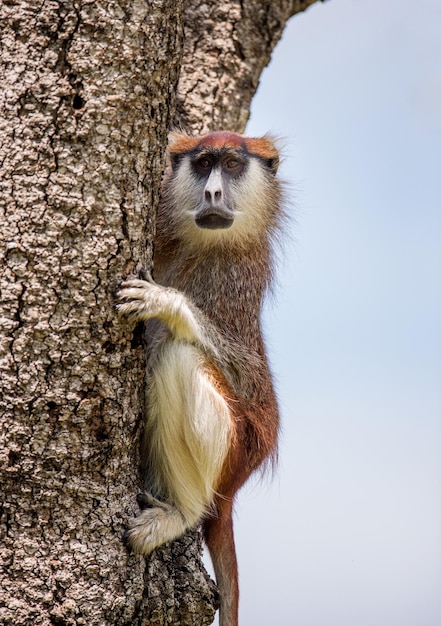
(213, 195)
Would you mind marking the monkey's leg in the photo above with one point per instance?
(188, 434)
(219, 537)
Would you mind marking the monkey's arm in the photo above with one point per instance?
(142, 300)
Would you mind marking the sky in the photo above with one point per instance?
(348, 531)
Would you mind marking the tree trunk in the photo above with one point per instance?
(87, 100)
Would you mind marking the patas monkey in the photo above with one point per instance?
(212, 416)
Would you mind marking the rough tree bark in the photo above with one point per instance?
(88, 96)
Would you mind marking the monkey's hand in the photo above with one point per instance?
(141, 300)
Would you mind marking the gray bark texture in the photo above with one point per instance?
(89, 91)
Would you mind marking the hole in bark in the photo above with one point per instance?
(101, 434)
(54, 411)
(138, 336)
(108, 347)
(14, 457)
(52, 465)
(58, 620)
(78, 102)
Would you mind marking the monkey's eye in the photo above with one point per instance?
(233, 166)
(204, 164)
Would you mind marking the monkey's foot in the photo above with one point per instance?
(158, 523)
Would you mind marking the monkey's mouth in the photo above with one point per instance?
(214, 220)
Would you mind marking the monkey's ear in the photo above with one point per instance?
(273, 164)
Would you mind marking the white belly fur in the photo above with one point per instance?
(189, 428)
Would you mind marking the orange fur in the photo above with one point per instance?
(258, 146)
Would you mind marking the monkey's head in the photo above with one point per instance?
(220, 187)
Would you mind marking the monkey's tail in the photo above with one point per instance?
(158, 523)
(219, 537)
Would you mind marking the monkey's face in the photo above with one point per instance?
(215, 173)
(217, 191)
(220, 190)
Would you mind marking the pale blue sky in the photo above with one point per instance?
(348, 533)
